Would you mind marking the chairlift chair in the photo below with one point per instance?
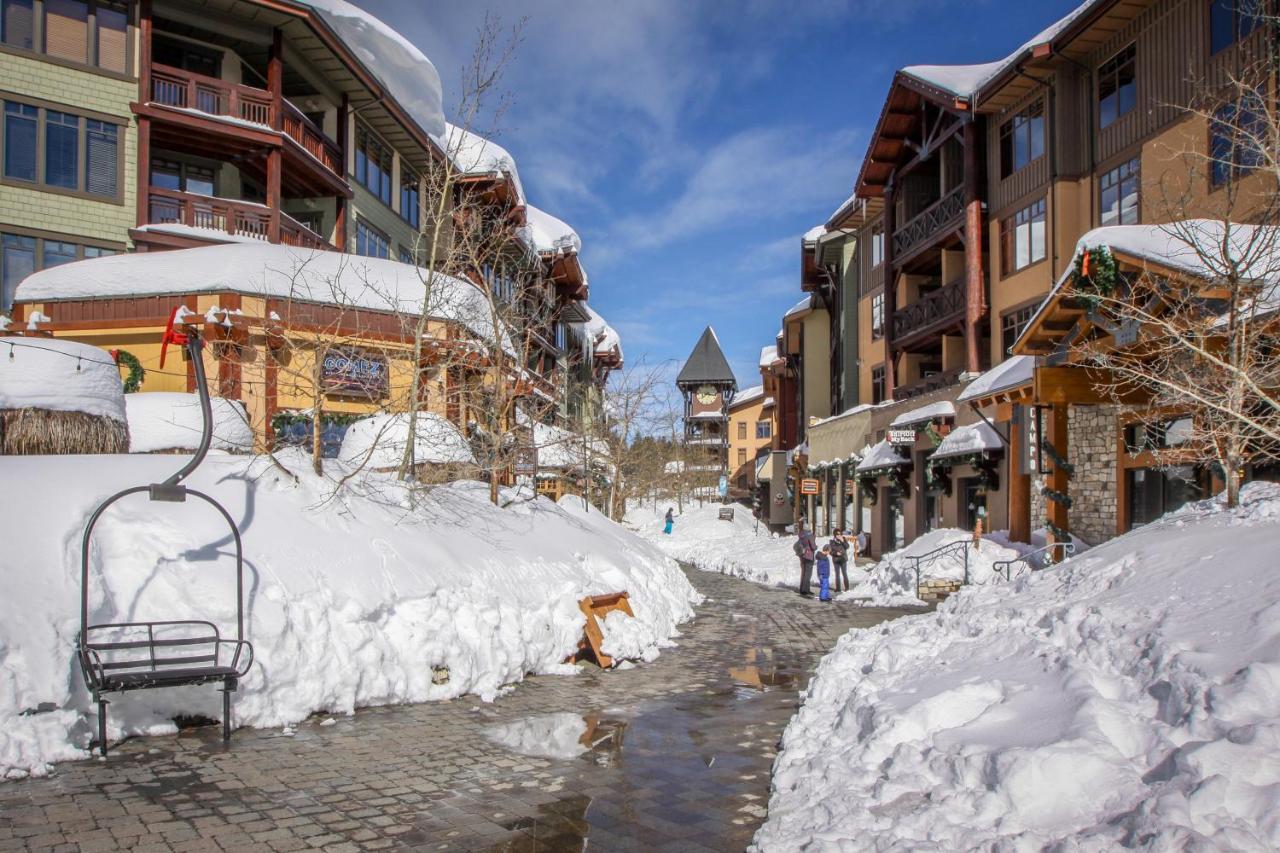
(117, 657)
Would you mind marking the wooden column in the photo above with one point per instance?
(890, 290)
(975, 291)
(1057, 479)
(273, 193)
(143, 177)
(275, 84)
(1019, 481)
(144, 171)
(340, 222)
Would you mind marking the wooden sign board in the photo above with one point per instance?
(810, 487)
(902, 436)
(850, 486)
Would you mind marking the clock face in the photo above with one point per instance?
(706, 395)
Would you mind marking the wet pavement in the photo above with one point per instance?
(672, 755)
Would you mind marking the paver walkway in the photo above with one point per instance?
(675, 755)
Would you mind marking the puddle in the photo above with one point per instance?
(559, 825)
(562, 736)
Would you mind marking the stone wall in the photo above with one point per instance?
(1093, 488)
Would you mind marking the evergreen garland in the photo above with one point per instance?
(931, 430)
(127, 359)
(1094, 275)
(1051, 494)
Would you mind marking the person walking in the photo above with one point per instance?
(805, 548)
(839, 549)
(823, 561)
(671, 520)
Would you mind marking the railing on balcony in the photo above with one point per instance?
(937, 217)
(175, 87)
(931, 310)
(234, 218)
(928, 384)
(312, 139)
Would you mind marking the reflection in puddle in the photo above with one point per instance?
(761, 673)
(559, 825)
(562, 736)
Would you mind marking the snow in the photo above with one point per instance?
(59, 375)
(379, 441)
(843, 206)
(604, 337)
(549, 235)
(973, 438)
(931, 412)
(768, 355)
(882, 455)
(164, 420)
(892, 581)
(353, 598)
(557, 736)
(1196, 246)
(404, 70)
(1126, 698)
(750, 395)
(562, 448)
(1011, 373)
(218, 235)
(799, 308)
(811, 236)
(264, 269)
(625, 638)
(472, 154)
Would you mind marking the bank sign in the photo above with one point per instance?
(354, 373)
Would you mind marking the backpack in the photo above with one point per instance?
(798, 548)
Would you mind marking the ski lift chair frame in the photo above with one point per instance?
(174, 653)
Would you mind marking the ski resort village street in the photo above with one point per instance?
(671, 425)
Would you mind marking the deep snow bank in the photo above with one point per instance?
(729, 547)
(1130, 697)
(350, 602)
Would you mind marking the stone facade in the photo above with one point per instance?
(1093, 487)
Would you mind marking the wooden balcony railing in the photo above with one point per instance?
(175, 87)
(930, 310)
(940, 216)
(234, 218)
(928, 384)
(312, 139)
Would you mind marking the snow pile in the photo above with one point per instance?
(472, 154)
(603, 337)
(966, 440)
(352, 599)
(164, 420)
(892, 581)
(548, 235)
(1127, 698)
(730, 547)
(625, 638)
(882, 455)
(378, 441)
(557, 736)
(1010, 373)
(61, 376)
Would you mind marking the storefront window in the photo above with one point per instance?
(973, 504)
(1155, 491)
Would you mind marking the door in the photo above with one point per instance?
(973, 504)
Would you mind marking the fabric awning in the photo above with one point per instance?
(968, 440)
(840, 437)
(931, 412)
(881, 457)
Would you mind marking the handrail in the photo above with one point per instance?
(929, 222)
(177, 87)
(960, 546)
(1068, 549)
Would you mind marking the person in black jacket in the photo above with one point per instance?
(806, 547)
(839, 549)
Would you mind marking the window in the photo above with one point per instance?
(1012, 324)
(97, 252)
(1230, 21)
(1022, 139)
(66, 29)
(21, 255)
(61, 149)
(17, 18)
(406, 256)
(373, 165)
(181, 177)
(1140, 438)
(764, 429)
(500, 281)
(187, 56)
(101, 156)
(20, 141)
(409, 207)
(877, 385)
(1153, 491)
(877, 317)
(742, 431)
(1117, 86)
(57, 253)
(1022, 237)
(112, 33)
(877, 246)
(1237, 133)
(742, 456)
(370, 242)
(1118, 190)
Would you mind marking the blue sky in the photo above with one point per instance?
(691, 142)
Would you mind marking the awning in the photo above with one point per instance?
(1008, 376)
(882, 457)
(762, 469)
(931, 412)
(972, 440)
(840, 437)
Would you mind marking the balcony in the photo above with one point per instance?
(944, 215)
(301, 130)
(186, 90)
(929, 315)
(206, 219)
(927, 385)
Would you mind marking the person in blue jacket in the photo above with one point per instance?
(823, 563)
(671, 519)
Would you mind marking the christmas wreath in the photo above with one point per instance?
(133, 381)
(1094, 275)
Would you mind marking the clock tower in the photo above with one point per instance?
(706, 382)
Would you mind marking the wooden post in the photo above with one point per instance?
(975, 291)
(275, 78)
(1058, 480)
(143, 202)
(1019, 481)
(890, 290)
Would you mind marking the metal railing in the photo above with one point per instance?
(951, 549)
(1036, 559)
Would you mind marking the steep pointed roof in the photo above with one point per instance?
(707, 364)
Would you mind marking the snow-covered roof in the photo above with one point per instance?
(811, 236)
(264, 269)
(1010, 373)
(799, 308)
(768, 401)
(165, 420)
(548, 235)
(768, 355)
(59, 375)
(853, 197)
(750, 395)
(965, 81)
(403, 70)
(562, 448)
(882, 455)
(473, 155)
(933, 411)
(602, 336)
(378, 442)
(962, 441)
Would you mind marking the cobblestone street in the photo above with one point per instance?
(676, 755)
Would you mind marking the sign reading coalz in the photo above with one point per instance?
(353, 372)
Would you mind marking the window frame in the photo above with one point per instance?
(1026, 119)
(1009, 233)
(92, 49)
(40, 237)
(1133, 165)
(1120, 62)
(1238, 31)
(370, 137)
(415, 209)
(42, 108)
(877, 315)
(1223, 173)
(879, 387)
(365, 225)
(877, 246)
(764, 430)
(1024, 312)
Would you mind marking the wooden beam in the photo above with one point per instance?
(1079, 385)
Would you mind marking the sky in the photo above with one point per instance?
(691, 142)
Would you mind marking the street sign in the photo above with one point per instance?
(849, 486)
(724, 486)
(526, 461)
(902, 436)
(353, 372)
(809, 487)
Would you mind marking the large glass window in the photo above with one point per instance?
(57, 252)
(877, 385)
(409, 197)
(877, 316)
(17, 261)
(20, 141)
(16, 23)
(112, 28)
(100, 158)
(1022, 139)
(1117, 86)
(181, 177)
(373, 165)
(371, 242)
(66, 29)
(877, 246)
(1118, 190)
(1012, 324)
(1156, 491)
(1023, 237)
(1237, 135)
(61, 149)
(87, 33)
(1230, 21)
